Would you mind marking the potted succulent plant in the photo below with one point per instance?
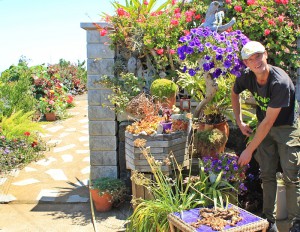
(164, 91)
(107, 192)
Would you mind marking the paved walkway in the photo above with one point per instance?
(52, 194)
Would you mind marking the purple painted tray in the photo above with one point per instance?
(250, 221)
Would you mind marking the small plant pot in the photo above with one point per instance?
(102, 203)
(50, 116)
(166, 126)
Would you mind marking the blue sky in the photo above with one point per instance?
(46, 30)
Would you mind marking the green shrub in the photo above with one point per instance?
(163, 88)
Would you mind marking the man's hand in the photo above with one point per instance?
(245, 158)
(245, 129)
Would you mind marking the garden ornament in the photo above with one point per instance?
(213, 18)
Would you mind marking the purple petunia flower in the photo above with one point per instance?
(192, 72)
(227, 64)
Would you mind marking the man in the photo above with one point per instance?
(277, 137)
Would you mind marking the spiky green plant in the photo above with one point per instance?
(18, 123)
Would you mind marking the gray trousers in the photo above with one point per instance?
(281, 144)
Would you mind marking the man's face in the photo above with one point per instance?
(257, 62)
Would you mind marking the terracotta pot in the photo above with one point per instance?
(102, 203)
(223, 126)
(50, 116)
(202, 150)
(169, 102)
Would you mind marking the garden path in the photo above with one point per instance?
(52, 194)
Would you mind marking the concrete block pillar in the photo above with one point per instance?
(102, 120)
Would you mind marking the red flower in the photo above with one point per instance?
(284, 1)
(174, 22)
(34, 144)
(229, 29)
(27, 133)
(238, 8)
(173, 2)
(120, 11)
(70, 99)
(197, 17)
(271, 22)
(188, 19)
(251, 2)
(281, 18)
(267, 32)
(146, 3)
(103, 32)
(186, 32)
(160, 51)
(177, 10)
(228, 1)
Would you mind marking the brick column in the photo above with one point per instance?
(102, 120)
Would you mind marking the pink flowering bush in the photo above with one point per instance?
(152, 33)
(275, 23)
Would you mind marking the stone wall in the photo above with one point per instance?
(102, 120)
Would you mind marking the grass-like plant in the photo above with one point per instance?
(174, 193)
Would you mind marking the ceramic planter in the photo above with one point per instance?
(102, 203)
(167, 126)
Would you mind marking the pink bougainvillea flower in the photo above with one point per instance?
(267, 32)
(27, 133)
(186, 32)
(189, 13)
(198, 16)
(290, 23)
(146, 2)
(174, 22)
(281, 18)
(251, 2)
(238, 8)
(120, 11)
(172, 51)
(160, 51)
(178, 15)
(264, 8)
(177, 10)
(228, 1)
(174, 2)
(271, 22)
(103, 32)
